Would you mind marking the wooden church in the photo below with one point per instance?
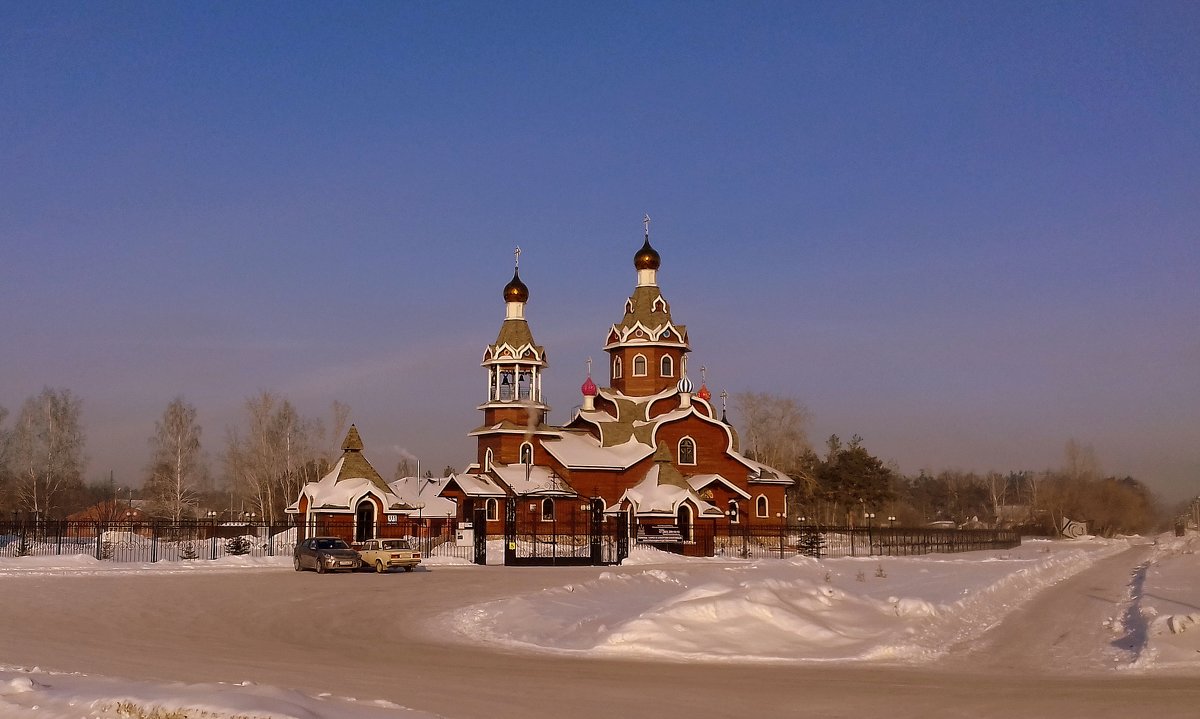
(648, 445)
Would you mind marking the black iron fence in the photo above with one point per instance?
(788, 540)
(584, 540)
(158, 541)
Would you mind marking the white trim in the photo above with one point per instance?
(669, 364)
(521, 453)
(762, 506)
(488, 459)
(616, 368)
(491, 508)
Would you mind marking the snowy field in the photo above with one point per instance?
(978, 614)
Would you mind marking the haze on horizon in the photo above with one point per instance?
(965, 233)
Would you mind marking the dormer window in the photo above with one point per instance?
(639, 366)
(667, 366)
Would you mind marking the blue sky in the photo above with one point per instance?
(966, 232)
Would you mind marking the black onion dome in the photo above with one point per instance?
(515, 290)
(646, 258)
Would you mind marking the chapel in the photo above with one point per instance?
(648, 444)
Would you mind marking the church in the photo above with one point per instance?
(649, 445)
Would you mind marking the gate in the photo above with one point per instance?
(480, 528)
(593, 541)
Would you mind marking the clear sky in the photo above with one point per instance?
(964, 231)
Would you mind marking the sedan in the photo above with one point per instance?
(384, 554)
(325, 554)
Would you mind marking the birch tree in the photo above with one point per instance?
(177, 467)
(47, 451)
(278, 453)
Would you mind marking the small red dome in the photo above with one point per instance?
(589, 388)
(704, 394)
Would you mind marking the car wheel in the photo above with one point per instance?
(296, 563)
(409, 569)
(320, 566)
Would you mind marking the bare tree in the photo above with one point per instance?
(278, 454)
(775, 428)
(177, 468)
(47, 450)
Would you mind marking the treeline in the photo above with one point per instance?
(262, 465)
(845, 483)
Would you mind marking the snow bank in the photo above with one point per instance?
(892, 609)
(1167, 601)
(32, 692)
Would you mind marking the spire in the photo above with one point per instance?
(352, 443)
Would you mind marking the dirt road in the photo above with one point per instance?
(380, 637)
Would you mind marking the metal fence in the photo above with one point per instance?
(194, 540)
(564, 543)
(781, 541)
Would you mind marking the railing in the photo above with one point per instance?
(782, 541)
(158, 541)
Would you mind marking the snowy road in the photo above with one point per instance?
(1082, 625)
(383, 638)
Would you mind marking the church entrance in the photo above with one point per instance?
(364, 525)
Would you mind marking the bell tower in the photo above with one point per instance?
(514, 364)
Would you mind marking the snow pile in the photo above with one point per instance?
(1168, 604)
(892, 609)
(72, 696)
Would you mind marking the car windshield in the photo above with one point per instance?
(331, 544)
(396, 544)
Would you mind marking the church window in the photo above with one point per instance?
(616, 367)
(547, 510)
(668, 366)
(487, 460)
(493, 510)
(639, 366)
(760, 506)
(527, 453)
(687, 451)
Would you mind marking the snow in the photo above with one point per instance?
(933, 611)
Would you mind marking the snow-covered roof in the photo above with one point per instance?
(649, 498)
(337, 493)
(421, 493)
(579, 450)
(540, 480)
(699, 481)
(475, 485)
(762, 473)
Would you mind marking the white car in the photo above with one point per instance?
(385, 554)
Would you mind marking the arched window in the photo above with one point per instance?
(616, 367)
(733, 512)
(760, 506)
(493, 509)
(639, 365)
(487, 460)
(526, 453)
(547, 510)
(667, 366)
(687, 451)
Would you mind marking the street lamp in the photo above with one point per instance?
(891, 522)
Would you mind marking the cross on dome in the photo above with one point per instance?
(646, 224)
(517, 257)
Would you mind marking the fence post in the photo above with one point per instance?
(99, 533)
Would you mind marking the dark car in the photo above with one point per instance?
(325, 554)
